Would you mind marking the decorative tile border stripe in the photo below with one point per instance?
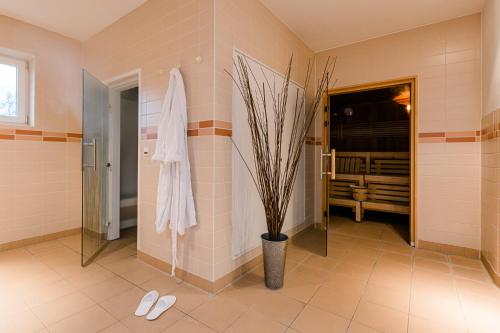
(311, 140)
(196, 128)
(36, 135)
(449, 137)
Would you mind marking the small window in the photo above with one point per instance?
(15, 89)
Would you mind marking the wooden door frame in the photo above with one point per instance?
(413, 134)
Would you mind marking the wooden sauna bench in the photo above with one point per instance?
(387, 194)
(385, 173)
(341, 192)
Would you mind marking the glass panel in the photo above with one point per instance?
(314, 239)
(94, 164)
(8, 90)
(371, 131)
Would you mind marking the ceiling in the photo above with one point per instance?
(325, 24)
(78, 19)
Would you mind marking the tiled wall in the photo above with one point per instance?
(490, 185)
(490, 145)
(250, 27)
(445, 59)
(156, 37)
(40, 178)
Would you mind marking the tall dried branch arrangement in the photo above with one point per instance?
(276, 157)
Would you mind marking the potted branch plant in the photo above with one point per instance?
(276, 154)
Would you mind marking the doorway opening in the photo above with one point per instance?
(371, 130)
(128, 157)
(124, 129)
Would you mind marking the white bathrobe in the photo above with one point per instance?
(174, 202)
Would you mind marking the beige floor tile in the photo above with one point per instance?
(381, 317)
(141, 274)
(397, 299)
(73, 242)
(163, 283)
(361, 259)
(314, 320)
(88, 278)
(121, 266)
(355, 271)
(326, 263)
(336, 301)
(297, 288)
(402, 249)
(481, 310)
(295, 254)
(141, 324)
(189, 298)
(397, 279)
(394, 266)
(479, 275)
(466, 262)
(278, 307)
(188, 324)
(11, 301)
(94, 319)
(355, 327)
(45, 246)
(252, 321)
(19, 322)
(58, 257)
(117, 328)
(74, 268)
(442, 310)
(422, 325)
(345, 282)
(431, 265)
(107, 289)
(433, 281)
(123, 304)
(36, 281)
(219, 312)
(436, 256)
(482, 288)
(366, 251)
(389, 257)
(46, 293)
(291, 330)
(115, 255)
(62, 307)
(311, 274)
(246, 291)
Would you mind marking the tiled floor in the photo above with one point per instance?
(371, 282)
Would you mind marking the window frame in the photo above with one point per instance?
(24, 64)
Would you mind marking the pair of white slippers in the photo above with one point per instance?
(162, 304)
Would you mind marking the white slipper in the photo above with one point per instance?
(163, 304)
(146, 303)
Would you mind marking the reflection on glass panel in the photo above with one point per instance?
(95, 170)
(8, 90)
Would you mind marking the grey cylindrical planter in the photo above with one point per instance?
(274, 253)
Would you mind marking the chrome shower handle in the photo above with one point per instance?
(91, 144)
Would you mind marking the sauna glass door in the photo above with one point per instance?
(314, 238)
(94, 167)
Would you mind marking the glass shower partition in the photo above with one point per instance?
(95, 165)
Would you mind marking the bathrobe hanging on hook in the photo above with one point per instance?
(174, 202)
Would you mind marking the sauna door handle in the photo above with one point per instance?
(332, 164)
